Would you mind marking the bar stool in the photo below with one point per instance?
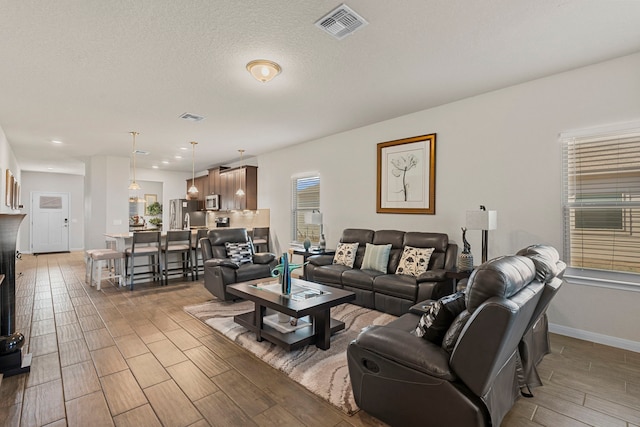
(144, 244)
(197, 249)
(101, 259)
(178, 242)
(260, 238)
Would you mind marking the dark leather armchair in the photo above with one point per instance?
(220, 270)
(406, 380)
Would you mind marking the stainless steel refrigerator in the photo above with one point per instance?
(178, 210)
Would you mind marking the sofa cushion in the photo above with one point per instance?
(240, 253)
(248, 272)
(361, 279)
(396, 285)
(376, 257)
(414, 261)
(345, 254)
(546, 260)
(501, 277)
(434, 324)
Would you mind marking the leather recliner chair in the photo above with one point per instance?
(220, 270)
(405, 380)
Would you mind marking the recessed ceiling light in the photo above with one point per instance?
(50, 168)
(165, 162)
(183, 148)
(55, 141)
(178, 157)
(155, 167)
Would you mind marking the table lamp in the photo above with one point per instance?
(483, 220)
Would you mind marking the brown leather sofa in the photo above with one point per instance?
(404, 379)
(391, 293)
(220, 270)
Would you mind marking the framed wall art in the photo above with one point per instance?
(8, 188)
(407, 175)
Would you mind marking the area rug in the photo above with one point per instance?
(324, 373)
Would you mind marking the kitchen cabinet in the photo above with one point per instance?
(202, 184)
(245, 177)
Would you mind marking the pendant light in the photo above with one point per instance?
(192, 193)
(240, 191)
(134, 185)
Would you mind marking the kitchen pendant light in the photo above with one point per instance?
(134, 185)
(192, 193)
(240, 191)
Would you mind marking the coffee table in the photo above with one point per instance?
(309, 302)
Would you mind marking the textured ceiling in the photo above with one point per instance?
(87, 72)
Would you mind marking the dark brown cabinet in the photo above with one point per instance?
(202, 184)
(231, 180)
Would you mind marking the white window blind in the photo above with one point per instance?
(305, 198)
(601, 200)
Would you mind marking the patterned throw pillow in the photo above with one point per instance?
(346, 254)
(376, 257)
(240, 253)
(433, 324)
(414, 261)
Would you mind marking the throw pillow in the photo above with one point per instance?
(240, 253)
(414, 261)
(346, 254)
(433, 324)
(376, 257)
(453, 333)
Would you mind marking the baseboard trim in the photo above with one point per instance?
(595, 337)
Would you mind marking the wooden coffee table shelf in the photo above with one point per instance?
(315, 310)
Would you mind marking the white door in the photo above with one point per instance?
(49, 222)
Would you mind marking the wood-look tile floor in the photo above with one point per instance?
(116, 357)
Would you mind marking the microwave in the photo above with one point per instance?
(212, 202)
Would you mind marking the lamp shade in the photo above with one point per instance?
(482, 220)
(313, 218)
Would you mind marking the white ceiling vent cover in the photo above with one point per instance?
(341, 22)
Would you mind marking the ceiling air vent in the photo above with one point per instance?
(341, 22)
(141, 152)
(191, 117)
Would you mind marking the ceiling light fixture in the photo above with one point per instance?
(134, 185)
(263, 70)
(192, 193)
(240, 191)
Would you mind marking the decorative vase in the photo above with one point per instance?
(465, 260)
(306, 244)
(323, 243)
(283, 271)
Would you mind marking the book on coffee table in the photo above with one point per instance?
(284, 327)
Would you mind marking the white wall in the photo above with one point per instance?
(499, 149)
(54, 182)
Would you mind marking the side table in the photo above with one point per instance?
(456, 275)
(307, 253)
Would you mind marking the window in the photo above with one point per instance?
(305, 199)
(601, 199)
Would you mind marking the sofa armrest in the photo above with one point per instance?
(437, 275)
(406, 349)
(221, 262)
(320, 260)
(263, 258)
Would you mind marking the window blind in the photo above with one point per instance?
(305, 198)
(601, 200)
